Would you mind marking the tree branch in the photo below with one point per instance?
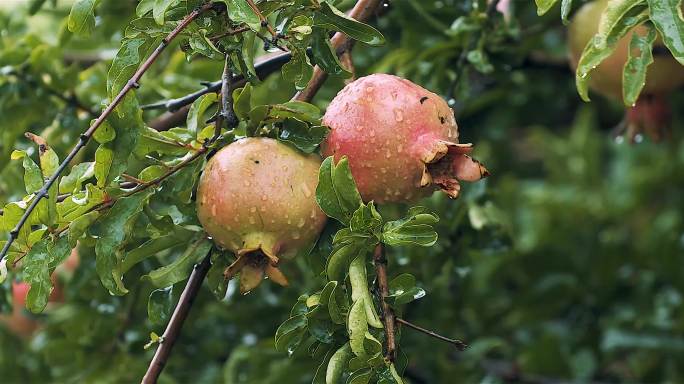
(461, 346)
(362, 11)
(388, 317)
(133, 82)
(180, 313)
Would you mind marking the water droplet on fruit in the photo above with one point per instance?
(252, 220)
(253, 209)
(296, 235)
(213, 210)
(398, 115)
(301, 223)
(264, 198)
(247, 184)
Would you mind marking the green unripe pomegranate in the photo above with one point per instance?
(256, 199)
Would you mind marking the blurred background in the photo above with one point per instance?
(564, 265)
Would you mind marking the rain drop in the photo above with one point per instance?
(398, 115)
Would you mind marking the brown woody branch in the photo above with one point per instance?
(173, 328)
(388, 317)
(133, 82)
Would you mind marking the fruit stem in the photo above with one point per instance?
(388, 317)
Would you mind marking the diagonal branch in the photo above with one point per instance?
(362, 11)
(180, 313)
(133, 82)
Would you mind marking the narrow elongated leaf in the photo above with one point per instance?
(38, 264)
(289, 334)
(180, 269)
(332, 18)
(667, 17)
(634, 73)
(195, 118)
(602, 46)
(338, 364)
(543, 6)
(154, 246)
(82, 17)
(241, 12)
(325, 56)
(160, 8)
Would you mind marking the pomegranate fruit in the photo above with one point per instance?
(401, 140)
(256, 199)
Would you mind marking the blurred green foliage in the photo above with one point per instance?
(564, 265)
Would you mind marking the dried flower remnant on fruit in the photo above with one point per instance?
(254, 199)
(401, 140)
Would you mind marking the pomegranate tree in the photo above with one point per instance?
(256, 199)
(650, 113)
(401, 140)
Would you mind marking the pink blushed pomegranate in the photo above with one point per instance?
(401, 140)
(256, 199)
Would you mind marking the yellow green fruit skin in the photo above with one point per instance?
(259, 194)
(664, 75)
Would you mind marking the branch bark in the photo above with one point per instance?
(388, 317)
(362, 11)
(133, 82)
(173, 329)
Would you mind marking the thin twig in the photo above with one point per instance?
(173, 328)
(263, 67)
(461, 346)
(388, 317)
(133, 82)
(264, 22)
(362, 11)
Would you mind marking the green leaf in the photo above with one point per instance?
(35, 6)
(332, 18)
(154, 246)
(290, 333)
(544, 6)
(301, 136)
(390, 376)
(180, 269)
(127, 60)
(357, 326)
(634, 72)
(195, 118)
(325, 56)
(160, 305)
(403, 290)
(360, 376)
(336, 192)
(338, 262)
(366, 219)
(298, 70)
(667, 17)
(113, 231)
(38, 264)
(33, 177)
(215, 279)
(160, 8)
(241, 12)
(618, 19)
(82, 17)
(360, 292)
(415, 229)
(73, 182)
(111, 158)
(80, 225)
(566, 7)
(242, 101)
(338, 364)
